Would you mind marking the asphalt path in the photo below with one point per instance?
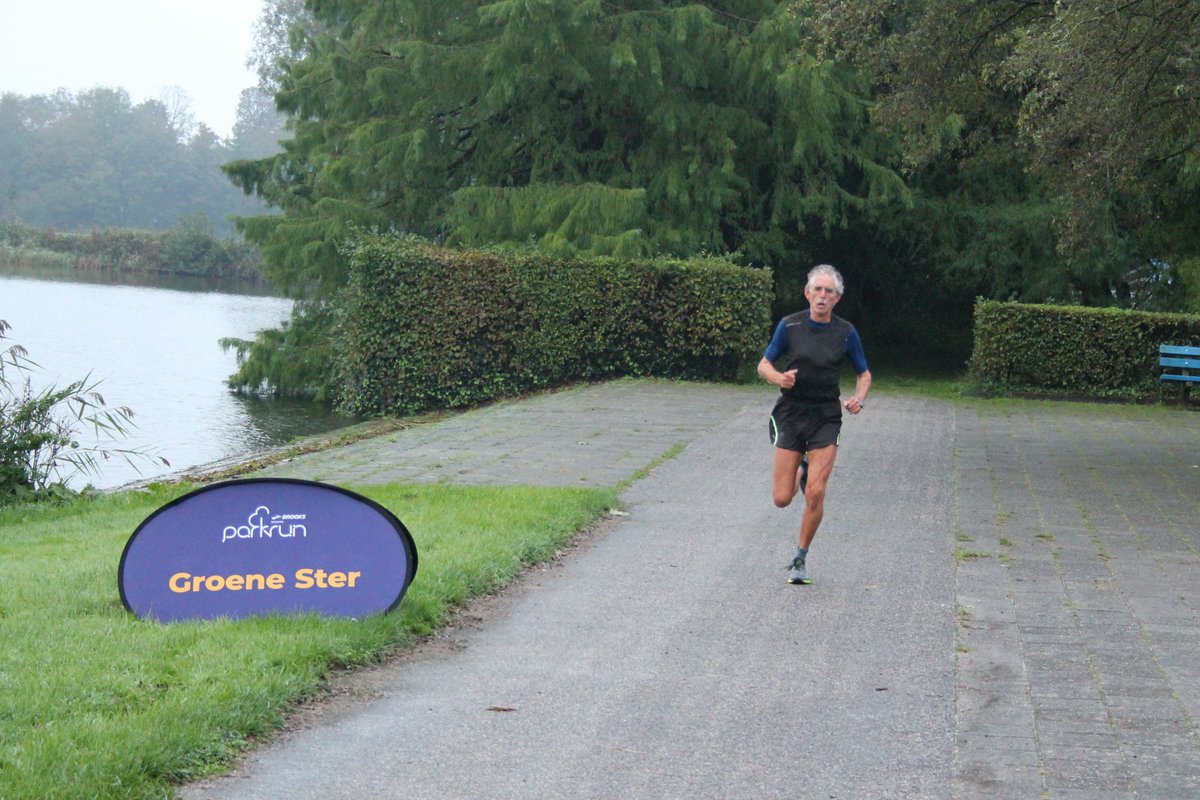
(936, 655)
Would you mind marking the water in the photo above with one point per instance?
(156, 351)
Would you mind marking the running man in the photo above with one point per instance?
(807, 419)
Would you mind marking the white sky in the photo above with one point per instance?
(142, 46)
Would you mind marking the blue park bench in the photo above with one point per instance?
(1185, 363)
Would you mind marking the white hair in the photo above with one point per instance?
(829, 271)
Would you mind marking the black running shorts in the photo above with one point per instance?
(805, 426)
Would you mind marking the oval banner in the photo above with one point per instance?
(258, 546)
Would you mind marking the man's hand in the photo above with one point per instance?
(784, 380)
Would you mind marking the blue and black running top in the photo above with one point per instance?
(816, 351)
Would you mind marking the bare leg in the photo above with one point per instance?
(785, 478)
(820, 465)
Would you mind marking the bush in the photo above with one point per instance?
(423, 327)
(1072, 351)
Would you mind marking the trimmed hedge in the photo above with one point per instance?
(427, 327)
(1073, 351)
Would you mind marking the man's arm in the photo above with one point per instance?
(766, 367)
(862, 386)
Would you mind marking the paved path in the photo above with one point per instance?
(1007, 605)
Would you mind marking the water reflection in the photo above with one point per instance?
(266, 422)
(156, 350)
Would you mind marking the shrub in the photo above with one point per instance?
(423, 327)
(1072, 351)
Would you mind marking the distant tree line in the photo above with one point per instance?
(94, 160)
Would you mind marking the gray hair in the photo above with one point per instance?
(829, 271)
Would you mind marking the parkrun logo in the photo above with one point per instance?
(263, 525)
(194, 559)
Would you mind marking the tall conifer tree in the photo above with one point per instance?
(621, 127)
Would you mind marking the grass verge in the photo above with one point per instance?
(97, 704)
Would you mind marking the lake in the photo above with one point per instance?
(156, 351)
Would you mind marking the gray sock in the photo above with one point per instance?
(802, 553)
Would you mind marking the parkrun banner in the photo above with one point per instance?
(266, 546)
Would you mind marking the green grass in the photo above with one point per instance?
(97, 704)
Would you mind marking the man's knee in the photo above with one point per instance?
(782, 498)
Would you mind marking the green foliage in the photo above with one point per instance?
(108, 249)
(281, 34)
(191, 247)
(1072, 351)
(40, 447)
(1107, 113)
(191, 242)
(1188, 275)
(582, 220)
(978, 227)
(294, 360)
(1098, 98)
(653, 127)
(583, 129)
(430, 327)
(1047, 148)
(1046, 161)
(97, 705)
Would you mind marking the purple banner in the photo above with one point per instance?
(266, 546)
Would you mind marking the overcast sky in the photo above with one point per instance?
(142, 46)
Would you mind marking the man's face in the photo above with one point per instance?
(822, 297)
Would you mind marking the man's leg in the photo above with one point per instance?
(785, 478)
(820, 466)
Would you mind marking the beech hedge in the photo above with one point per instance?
(426, 327)
(1070, 351)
